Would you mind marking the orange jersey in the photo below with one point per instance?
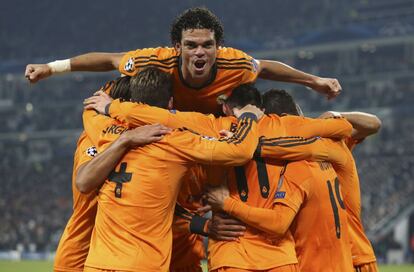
(135, 114)
(74, 244)
(188, 249)
(256, 183)
(136, 202)
(341, 158)
(345, 167)
(320, 228)
(232, 68)
(362, 251)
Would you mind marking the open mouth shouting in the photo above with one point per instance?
(199, 66)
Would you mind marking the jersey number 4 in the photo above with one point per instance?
(119, 178)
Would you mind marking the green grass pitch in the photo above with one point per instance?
(45, 266)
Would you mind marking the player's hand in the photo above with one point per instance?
(223, 228)
(248, 108)
(226, 134)
(36, 72)
(97, 102)
(216, 196)
(329, 87)
(144, 135)
(329, 114)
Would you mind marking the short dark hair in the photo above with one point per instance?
(151, 86)
(196, 18)
(278, 102)
(243, 95)
(120, 88)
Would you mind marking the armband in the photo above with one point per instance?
(60, 66)
(198, 225)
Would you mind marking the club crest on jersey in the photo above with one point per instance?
(129, 66)
(280, 195)
(209, 138)
(91, 151)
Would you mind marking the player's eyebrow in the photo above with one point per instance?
(209, 42)
(190, 42)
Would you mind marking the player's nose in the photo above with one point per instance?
(199, 51)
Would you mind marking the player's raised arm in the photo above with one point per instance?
(335, 128)
(364, 124)
(275, 70)
(92, 62)
(296, 149)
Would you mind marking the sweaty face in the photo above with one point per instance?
(198, 50)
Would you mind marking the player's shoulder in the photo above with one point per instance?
(231, 54)
(155, 53)
(269, 118)
(270, 126)
(293, 118)
(299, 172)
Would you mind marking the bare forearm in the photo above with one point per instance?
(93, 174)
(364, 124)
(275, 70)
(96, 62)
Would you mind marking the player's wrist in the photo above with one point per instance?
(124, 141)
(335, 113)
(59, 66)
(199, 225)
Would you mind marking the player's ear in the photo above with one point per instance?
(177, 47)
(171, 103)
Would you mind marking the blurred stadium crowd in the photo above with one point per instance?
(40, 123)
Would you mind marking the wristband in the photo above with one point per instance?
(197, 225)
(60, 66)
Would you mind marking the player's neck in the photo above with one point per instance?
(197, 82)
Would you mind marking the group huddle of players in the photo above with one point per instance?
(185, 131)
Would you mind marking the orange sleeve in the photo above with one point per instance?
(337, 153)
(138, 114)
(292, 149)
(97, 126)
(290, 193)
(296, 149)
(337, 127)
(236, 150)
(233, 58)
(85, 151)
(274, 221)
(164, 58)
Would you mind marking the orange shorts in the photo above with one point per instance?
(284, 268)
(368, 267)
